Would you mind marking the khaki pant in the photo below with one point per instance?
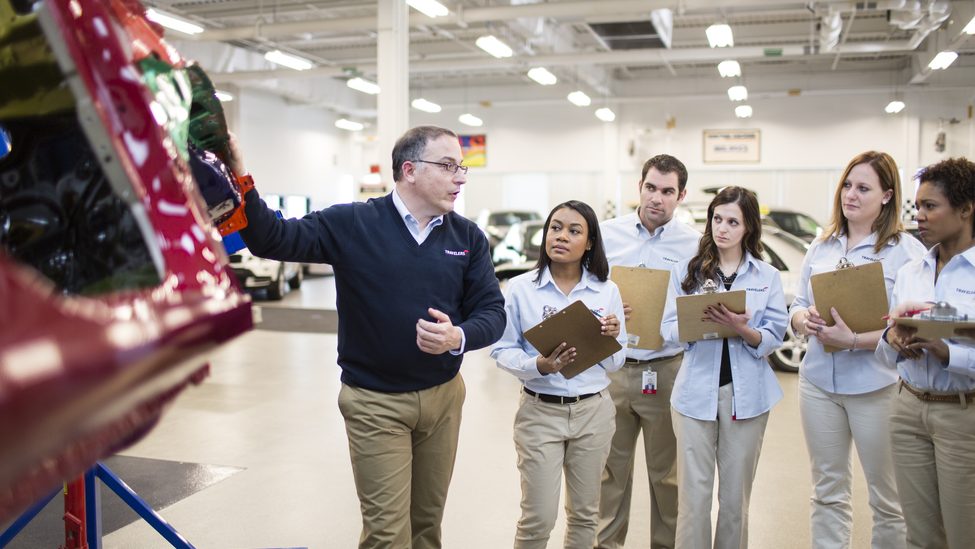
(637, 412)
(933, 445)
(832, 425)
(403, 447)
(551, 438)
(735, 447)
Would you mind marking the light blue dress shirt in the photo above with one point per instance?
(956, 285)
(628, 244)
(414, 226)
(843, 372)
(695, 392)
(524, 303)
(411, 222)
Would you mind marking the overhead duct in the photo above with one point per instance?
(937, 13)
(908, 17)
(829, 31)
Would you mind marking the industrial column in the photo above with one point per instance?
(394, 79)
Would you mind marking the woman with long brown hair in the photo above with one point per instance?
(725, 388)
(844, 395)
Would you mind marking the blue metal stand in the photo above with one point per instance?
(137, 504)
(94, 515)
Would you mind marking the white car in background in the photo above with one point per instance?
(257, 273)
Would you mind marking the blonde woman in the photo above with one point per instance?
(844, 395)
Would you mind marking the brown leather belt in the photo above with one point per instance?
(926, 396)
(634, 362)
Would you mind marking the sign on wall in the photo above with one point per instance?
(475, 150)
(732, 145)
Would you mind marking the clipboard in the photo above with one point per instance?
(935, 329)
(690, 312)
(577, 327)
(646, 292)
(857, 293)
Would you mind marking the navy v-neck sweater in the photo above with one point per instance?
(385, 283)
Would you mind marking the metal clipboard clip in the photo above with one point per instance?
(844, 263)
(709, 287)
(942, 312)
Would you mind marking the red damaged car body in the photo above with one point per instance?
(113, 281)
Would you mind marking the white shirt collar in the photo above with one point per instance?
(871, 239)
(931, 256)
(546, 278)
(404, 212)
(641, 228)
(411, 222)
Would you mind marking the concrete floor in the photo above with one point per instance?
(270, 407)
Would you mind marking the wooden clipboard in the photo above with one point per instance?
(646, 292)
(935, 329)
(857, 293)
(690, 311)
(577, 327)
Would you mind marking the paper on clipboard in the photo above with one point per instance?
(577, 327)
(690, 311)
(858, 294)
(935, 329)
(646, 292)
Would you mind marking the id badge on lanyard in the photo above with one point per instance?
(649, 382)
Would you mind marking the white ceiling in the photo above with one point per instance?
(779, 44)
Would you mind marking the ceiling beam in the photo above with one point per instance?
(577, 10)
(619, 57)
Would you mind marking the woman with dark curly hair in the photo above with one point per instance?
(932, 413)
(725, 388)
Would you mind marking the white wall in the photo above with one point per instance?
(539, 155)
(296, 150)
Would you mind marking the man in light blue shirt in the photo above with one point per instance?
(650, 237)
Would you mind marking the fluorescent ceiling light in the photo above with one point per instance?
(542, 76)
(605, 114)
(290, 61)
(348, 125)
(171, 22)
(580, 99)
(364, 86)
(223, 96)
(743, 111)
(729, 68)
(719, 35)
(737, 93)
(494, 46)
(970, 27)
(430, 8)
(470, 119)
(895, 107)
(942, 60)
(424, 105)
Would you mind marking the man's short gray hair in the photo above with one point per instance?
(409, 148)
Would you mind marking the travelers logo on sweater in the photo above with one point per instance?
(452, 252)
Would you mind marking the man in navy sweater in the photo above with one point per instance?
(416, 289)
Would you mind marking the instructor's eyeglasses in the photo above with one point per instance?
(450, 167)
